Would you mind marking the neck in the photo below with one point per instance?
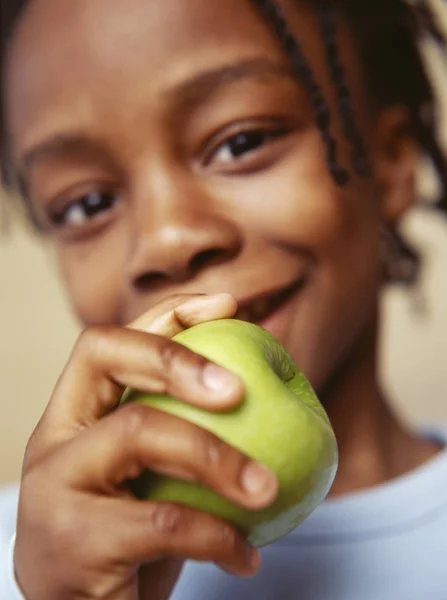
(374, 445)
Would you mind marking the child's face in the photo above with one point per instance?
(182, 120)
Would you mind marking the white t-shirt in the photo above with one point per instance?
(387, 543)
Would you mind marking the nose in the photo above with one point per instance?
(178, 236)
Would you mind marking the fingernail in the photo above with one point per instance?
(218, 379)
(258, 479)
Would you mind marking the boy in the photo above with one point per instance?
(261, 154)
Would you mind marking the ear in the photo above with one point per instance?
(396, 160)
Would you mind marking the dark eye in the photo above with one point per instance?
(80, 211)
(244, 143)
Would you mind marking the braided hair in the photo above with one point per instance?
(387, 35)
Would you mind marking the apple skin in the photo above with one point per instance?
(280, 423)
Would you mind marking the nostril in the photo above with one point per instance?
(207, 258)
(149, 281)
(179, 270)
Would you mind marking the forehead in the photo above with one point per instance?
(63, 52)
(106, 53)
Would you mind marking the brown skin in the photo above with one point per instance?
(189, 219)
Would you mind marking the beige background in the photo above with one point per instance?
(37, 329)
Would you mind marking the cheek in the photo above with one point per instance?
(336, 229)
(341, 299)
(298, 203)
(93, 276)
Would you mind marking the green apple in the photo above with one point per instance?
(280, 423)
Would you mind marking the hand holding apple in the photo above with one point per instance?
(280, 423)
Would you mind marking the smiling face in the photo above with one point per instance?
(169, 149)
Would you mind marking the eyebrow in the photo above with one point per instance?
(201, 86)
(192, 91)
(61, 145)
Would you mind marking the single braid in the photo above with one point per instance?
(328, 26)
(291, 45)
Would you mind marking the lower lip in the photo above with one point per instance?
(278, 321)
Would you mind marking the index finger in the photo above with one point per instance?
(176, 313)
(106, 360)
(110, 360)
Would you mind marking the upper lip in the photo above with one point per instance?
(271, 293)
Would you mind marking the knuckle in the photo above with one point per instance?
(37, 460)
(174, 358)
(228, 539)
(98, 585)
(92, 338)
(66, 527)
(32, 453)
(170, 352)
(216, 456)
(166, 520)
(212, 451)
(132, 419)
(87, 337)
